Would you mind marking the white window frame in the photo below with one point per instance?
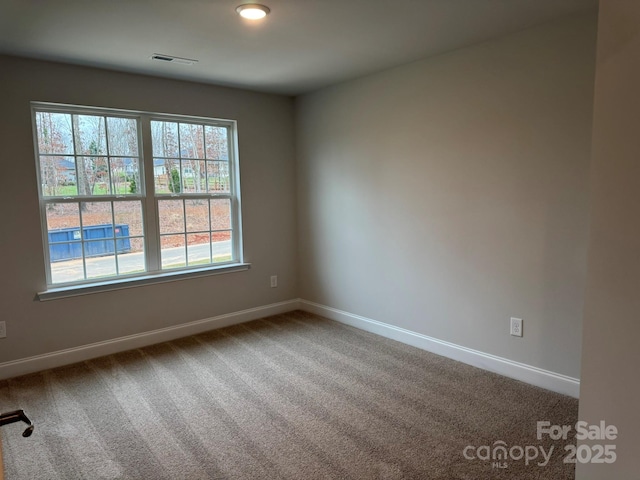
(149, 200)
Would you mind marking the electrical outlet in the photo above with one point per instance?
(274, 281)
(3, 329)
(516, 327)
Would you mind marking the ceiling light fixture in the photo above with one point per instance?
(253, 11)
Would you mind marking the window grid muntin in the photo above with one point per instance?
(181, 159)
(230, 195)
(83, 241)
(85, 111)
(185, 232)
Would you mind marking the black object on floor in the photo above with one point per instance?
(17, 416)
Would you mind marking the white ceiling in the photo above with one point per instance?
(301, 46)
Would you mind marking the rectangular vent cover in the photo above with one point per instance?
(161, 57)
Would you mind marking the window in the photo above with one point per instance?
(131, 194)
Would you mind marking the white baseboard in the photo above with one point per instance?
(509, 368)
(520, 371)
(85, 352)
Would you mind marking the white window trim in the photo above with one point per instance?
(121, 283)
(149, 200)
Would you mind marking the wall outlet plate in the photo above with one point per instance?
(274, 281)
(3, 329)
(516, 327)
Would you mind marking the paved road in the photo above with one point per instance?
(71, 270)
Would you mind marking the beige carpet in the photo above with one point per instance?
(293, 396)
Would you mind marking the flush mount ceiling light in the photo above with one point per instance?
(253, 11)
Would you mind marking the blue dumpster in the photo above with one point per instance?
(65, 243)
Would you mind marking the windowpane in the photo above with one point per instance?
(218, 177)
(97, 221)
(173, 251)
(62, 217)
(134, 260)
(198, 249)
(64, 238)
(90, 135)
(191, 141)
(68, 270)
(167, 176)
(193, 176)
(125, 176)
(197, 211)
(93, 176)
(60, 252)
(175, 178)
(54, 133)
(123, 136)
(58, 176)
(171, 213)
(100, 258)
(220, 214)
(128, 215)
(221, 246)
(137, 245)
(216, 140)
(164, 137)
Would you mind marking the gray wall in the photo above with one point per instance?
(265, 124)
(447, 195)
(609, 389)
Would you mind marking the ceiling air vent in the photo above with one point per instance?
(161, 57)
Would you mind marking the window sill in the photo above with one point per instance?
(55, 293)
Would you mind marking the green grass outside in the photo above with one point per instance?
(123, 188)
(99, 189)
